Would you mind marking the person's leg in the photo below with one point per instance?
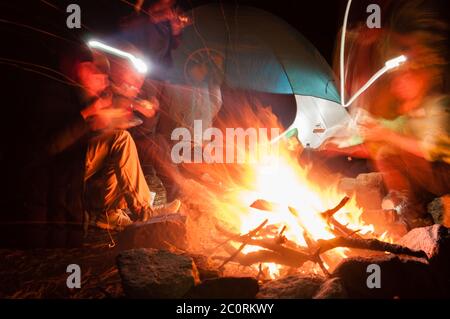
(116, 153)
(156, 151)
(102, 191)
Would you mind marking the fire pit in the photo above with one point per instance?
(277, 251)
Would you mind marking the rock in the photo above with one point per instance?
(435, 242)
(159, 232)
(333, 288)
(291, 287)
(225, 288)
(400, 277)
(368, 189)
(152, 273)
(206, 268)
(439, 209)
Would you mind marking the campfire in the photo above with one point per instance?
(270, 216)
(292, 231)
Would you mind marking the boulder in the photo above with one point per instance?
(439, 209)
(333, 288)
(159, 232)
(225, 288)
(435, 242)
(291, 287)
(400, 277)
(152, 273)
(205, 267)
(368, 189)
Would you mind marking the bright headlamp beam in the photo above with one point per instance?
(342, 52)
(389, 65)
(393, 63)
(138, 64)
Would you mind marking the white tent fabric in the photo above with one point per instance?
(317, 119)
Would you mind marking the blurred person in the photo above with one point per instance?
(405, 121)
(155, 30)
(125, 85)
(412, 151)
(95, 137)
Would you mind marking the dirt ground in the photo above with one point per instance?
(41, 273)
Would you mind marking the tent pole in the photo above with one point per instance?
(342, 52)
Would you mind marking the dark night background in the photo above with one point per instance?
(317, 20)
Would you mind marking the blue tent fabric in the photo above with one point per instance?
(260, 52)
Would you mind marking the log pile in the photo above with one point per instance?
(280, 250)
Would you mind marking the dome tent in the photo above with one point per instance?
(250, 49)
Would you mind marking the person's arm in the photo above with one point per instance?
(68, 136)
(178, 22)
(408, 144)
(147, 108)
(377, 133)
(86, 120)
(358, 151)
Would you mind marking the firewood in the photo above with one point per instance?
(280, 250)
(267, 256)
(312, 244)
(370, 244)
(248, 236)
(328, 213)
(274, 252)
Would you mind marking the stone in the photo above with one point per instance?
(291, 287)
(435, 242)
(152, 273)
(400, 277)
(368, 189)
(160, 232)
(333, 288)
(225, 288)
(206, 268)
(439, 209)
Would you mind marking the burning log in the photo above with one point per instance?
(268, 256)
(369, 244)
(338, 229)
(275, 252)
(252, 233)
(311, 244)
(276, 248)
(329, 213)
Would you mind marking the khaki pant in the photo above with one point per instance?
(113, 175)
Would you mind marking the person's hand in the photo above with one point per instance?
(178, 21)
(96, 107)
(109, 118)
(148, 108)
(101, 115)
